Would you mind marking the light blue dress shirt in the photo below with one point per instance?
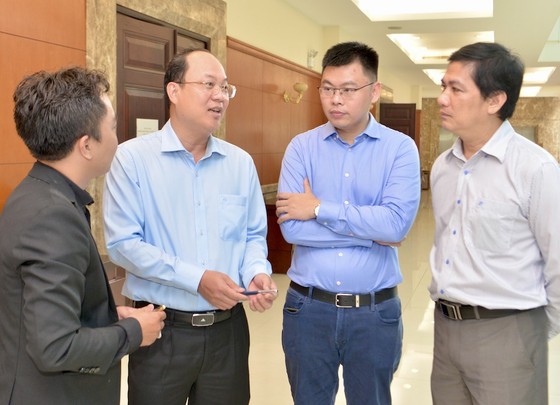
(369, 191)
(168, 219)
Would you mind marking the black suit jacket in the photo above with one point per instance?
(60, 338)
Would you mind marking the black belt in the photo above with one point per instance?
(192, 318)
(342, 300)
(458, 312)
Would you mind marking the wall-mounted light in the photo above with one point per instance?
(311, 58)
(300, 88)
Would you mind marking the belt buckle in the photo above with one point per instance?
(202, 319)
(336, 301)
(451, 310)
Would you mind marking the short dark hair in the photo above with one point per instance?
(53, 110)
(347, 52)
(495, 69)
(176, 69)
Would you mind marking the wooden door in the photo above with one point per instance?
(143, 50)
(401, 117)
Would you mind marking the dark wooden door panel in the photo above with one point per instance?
(184, 42)
(143, 51)
(401, 117)
(147, 103)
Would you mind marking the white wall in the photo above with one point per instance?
(276, 27)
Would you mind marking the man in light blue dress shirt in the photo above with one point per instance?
(348, 194)
(185, 216)
(496, 254)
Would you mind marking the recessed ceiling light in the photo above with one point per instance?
(435, 75)
(530, 91)
(397, 10)
(436, 48)
(537, 75)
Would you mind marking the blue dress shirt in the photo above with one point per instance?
(369, 191)
(168, 219)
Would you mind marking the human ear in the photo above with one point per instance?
(172, 89)
(375, 92)
(496, 101)
(83, 145)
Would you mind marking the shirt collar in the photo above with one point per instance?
(496, 146)
(170, 142)
(50, 174)
(372, 129)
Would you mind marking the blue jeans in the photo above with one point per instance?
(318, 337)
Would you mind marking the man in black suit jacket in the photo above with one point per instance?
(61, 335)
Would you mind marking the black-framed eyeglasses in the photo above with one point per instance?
(345, 92)
(228, 90)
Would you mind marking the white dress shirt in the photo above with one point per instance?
(497, 234)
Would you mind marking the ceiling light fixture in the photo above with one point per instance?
(400, 10)
(529, 91)
(537, 75)
(436, 48)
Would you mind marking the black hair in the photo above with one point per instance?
(495, 69)
(347, 52)
(53, 110)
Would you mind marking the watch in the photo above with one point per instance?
(316, 210)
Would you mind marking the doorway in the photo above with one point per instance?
(144, 48)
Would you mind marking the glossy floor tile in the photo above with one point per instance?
(411, 385)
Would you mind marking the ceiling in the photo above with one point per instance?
(525, 27)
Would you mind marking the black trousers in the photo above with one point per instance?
(207, 365)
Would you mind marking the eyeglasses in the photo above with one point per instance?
(227, 90)
(345, 92)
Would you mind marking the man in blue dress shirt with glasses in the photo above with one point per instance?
(348, 193)
(185, 216)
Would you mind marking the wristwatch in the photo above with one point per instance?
(316, 210)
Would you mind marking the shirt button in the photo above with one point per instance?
(338, 283)
(340, 254)
(346, 174)
(346, 202)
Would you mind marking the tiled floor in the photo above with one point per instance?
(269, 384)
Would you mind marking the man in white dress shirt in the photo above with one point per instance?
(496, 255)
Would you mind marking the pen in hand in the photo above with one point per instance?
(255, 292)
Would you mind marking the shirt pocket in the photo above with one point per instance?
(492, 225)
(233, 217)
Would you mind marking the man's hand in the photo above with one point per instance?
(299, 206)
(151, 322)
(220, 290)
(391, 244)
(262, 302)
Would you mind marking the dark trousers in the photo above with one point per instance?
(208, 365)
